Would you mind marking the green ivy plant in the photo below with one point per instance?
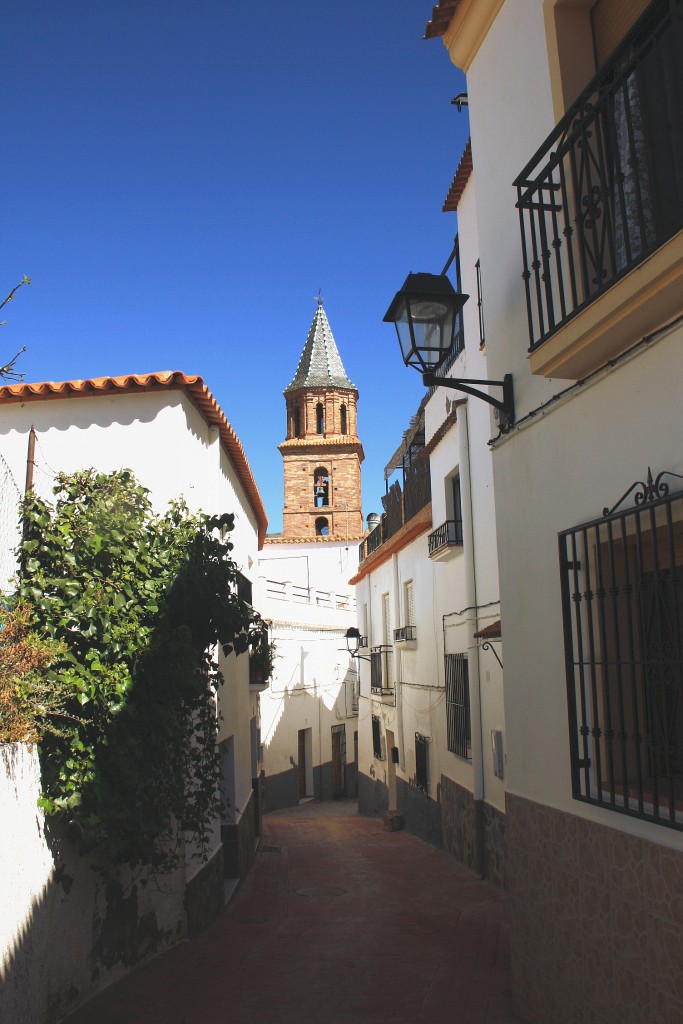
(136, 605)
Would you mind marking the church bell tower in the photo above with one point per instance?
(322, 453)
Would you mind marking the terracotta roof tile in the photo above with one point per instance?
(442, 16)
(492, 632)
(169, 380)
(462, 176)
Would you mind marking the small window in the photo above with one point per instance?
(454, 509)
(319, 419)
(297, 422)
(376, 738)
(458, 724)
(343, 419)
(322, 527)
(421, 762)
(409, 604)
(321, 487)
(386, 619)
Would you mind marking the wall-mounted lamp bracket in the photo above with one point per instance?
(505, 406)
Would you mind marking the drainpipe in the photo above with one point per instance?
(472, 645)
(398, 691)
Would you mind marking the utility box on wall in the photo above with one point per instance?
(497, 746)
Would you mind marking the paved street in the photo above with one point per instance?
(339, 923)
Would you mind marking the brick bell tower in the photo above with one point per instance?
(322, 453)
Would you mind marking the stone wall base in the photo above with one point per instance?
(596, 921)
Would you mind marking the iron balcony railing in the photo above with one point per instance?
(405, 633)
(605, 190)
(449, 534)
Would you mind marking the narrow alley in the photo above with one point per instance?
(340, 922)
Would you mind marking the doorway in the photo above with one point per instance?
(338, 762)
(305, 764)
(391, 771)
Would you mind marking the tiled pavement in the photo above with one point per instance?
(340, 922)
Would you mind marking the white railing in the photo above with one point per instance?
(278, 590)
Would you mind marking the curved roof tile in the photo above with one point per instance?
(170, 380)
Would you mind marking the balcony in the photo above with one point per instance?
(406, 636)
(445, 541)
(381, 659)
(401, 504)
(601, 200)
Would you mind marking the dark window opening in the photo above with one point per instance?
(319, 419)
(457, 509)
(244, 588)
(421, 763)
(458, 724)
(321, 487)
(376, 738)
(297, 422)
(622, 601)
(322, 527)
(343, 419)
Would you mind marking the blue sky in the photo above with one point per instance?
(182, 176)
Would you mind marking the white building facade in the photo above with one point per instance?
(431, 717)
(576, 112)
(168, 429)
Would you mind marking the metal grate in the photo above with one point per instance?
(458, 724)
(376, 738)
(421, 762)
(622, 598)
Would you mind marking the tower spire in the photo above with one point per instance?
(320, 365)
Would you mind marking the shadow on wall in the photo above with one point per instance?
(304, 724)
(65, 931)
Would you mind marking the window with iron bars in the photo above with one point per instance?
(421, 762)
(376, 738)
(622, 599)
(458, 723)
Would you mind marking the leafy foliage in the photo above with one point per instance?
(138, 602)
(24, 656)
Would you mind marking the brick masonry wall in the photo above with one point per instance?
(300, 511)
(596, 921)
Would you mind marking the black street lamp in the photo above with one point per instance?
(425, 313)
(353, 644)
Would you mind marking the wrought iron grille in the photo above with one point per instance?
(376, 738)
(449, 534)
(458, 723)
(622, 598)
(421, 762)
(405, 633)
(603, 192)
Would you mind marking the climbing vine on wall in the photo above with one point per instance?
(135, 606)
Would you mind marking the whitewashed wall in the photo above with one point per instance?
(304, 591)
(62, 928)
(562, 467)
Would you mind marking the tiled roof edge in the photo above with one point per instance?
(170, 380)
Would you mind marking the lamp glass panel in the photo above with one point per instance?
(432, 330)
